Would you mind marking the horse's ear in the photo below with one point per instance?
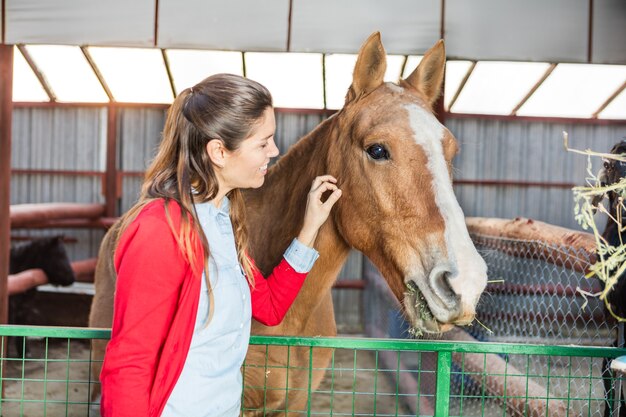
(428, 76)
(370, 68)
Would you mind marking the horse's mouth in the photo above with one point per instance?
(422, 318)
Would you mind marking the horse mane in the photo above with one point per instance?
(285, 191)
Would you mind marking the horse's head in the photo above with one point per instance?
(46, 253)
(612, 173)
(401, 211)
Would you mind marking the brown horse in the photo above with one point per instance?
(393, 161)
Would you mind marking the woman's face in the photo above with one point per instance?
(246, 167)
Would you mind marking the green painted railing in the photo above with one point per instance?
(30, 381)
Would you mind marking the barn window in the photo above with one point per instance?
(26, 86)
(68, 73)
(574, 90)
(294, 79)
(134, 75)
(616, 109)
(412, 61)
(497, 87)
(189, 67)
(455, 73)
(339, 70)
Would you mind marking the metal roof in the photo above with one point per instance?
(591, 31)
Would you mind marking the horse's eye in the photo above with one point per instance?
(378, 151)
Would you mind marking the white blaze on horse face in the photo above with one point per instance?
(468, 271)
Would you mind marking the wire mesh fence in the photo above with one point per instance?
(50, 375)
(536, 294)
(334, 376)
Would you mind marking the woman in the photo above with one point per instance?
(186, 289)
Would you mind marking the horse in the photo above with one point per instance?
(47, 254)
(613, 172)
(393, 160)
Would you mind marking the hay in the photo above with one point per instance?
(611, 260)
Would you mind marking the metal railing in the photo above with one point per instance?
(364, 376)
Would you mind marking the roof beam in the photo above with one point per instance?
(96, 71)
(590, 33)
(170, 77)
(533, 89)
(156, 22)
(609, 100)
(324, 79)
(289, 26)
(462, 85)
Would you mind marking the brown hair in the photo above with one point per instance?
(225, 107)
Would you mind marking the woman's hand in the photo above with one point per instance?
(317, 211)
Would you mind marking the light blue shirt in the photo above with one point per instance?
(210, 383)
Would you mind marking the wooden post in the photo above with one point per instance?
(111, 192)
(6, 112)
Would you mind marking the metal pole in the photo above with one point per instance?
(618, 396)
(6, 110)
(111, 191)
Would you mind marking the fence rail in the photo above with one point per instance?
(362, 379)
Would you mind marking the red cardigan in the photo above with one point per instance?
(156, 302)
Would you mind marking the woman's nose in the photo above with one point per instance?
(273, 149)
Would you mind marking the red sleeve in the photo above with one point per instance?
(150, 271)
(272, 297)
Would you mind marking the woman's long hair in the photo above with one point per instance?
(222, 107)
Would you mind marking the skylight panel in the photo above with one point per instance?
(412, 61)
(189, 67)
(394, 67)
(133, 75)
(616, 108)
(455, 73)
(68, 73)
(294, 79)
(498, 87)
(574, 90)
(26, 86)
(339, 71)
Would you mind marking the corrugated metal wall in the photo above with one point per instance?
(525, 151)
(139, 137)
(59, 139)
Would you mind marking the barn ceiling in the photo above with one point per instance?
(557, 58)
(524, 30)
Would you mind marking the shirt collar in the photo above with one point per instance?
(209, 208)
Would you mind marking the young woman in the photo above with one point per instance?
(186, 289)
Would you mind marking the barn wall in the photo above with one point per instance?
(59, 139)
(525, 151)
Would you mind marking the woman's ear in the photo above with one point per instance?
(217, 152)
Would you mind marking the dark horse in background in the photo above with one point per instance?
(612, 173)
(48, 254)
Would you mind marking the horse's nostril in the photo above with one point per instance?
(440, 284)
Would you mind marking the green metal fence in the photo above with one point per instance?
(362, 377)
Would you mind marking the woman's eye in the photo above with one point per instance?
(377, 151)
